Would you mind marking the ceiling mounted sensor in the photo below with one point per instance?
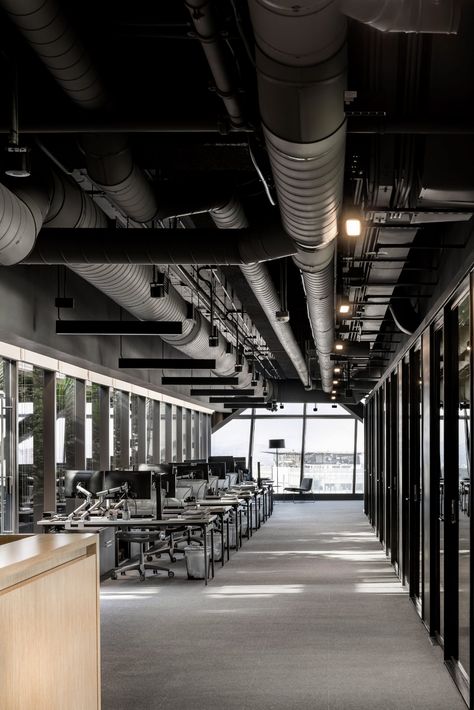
(118, 327)
(174, 363)
(200, 381)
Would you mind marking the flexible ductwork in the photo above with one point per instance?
(233, 216)
(406, 318)
(434, 16)
(301, 72)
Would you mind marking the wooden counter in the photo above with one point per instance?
(49, 622)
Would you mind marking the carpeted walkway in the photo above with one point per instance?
(307, 616)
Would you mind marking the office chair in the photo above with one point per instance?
(149, 545)
(306, 485)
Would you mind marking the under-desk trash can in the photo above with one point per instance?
(194, 555)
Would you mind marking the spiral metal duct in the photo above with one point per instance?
(111, 166)
(109, 160)
(434, 16)
(232, 216)
(63, 204)
(50, 35)
(301, 73)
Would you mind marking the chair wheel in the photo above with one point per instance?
(113, 576)
(173, 559)
(170, 573)
(142, 578)
(149, 558)
(123, 574)
(155, 571)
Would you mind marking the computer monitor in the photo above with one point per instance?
(139, 482)
(195, 460)
(93, 481)
(218, 468)
(194, 470)
(228, 460)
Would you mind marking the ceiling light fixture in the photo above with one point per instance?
(339, 346)
(150, 363)
(353, 227)
(344, 308)
(118, 327)
(333, 397)
(337, 370)
(200, 381)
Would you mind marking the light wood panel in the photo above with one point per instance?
(49, 626)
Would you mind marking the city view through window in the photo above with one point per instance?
(326, 445)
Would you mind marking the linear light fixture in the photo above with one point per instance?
(199, 380)
(118, 327)
(231, 400)
(221, 392)
(175, 363)
(247, 405)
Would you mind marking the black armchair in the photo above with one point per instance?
(306, 485)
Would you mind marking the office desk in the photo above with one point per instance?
(222, 512)
(235, 504)
(204, 523)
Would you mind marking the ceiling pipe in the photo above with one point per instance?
(217, 55)
(108, 158)
(232, 216)
(301, 74)
(433, 16)
(50, 35)
(59, 203)
(159, 246)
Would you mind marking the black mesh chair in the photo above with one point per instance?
(149, 545)
(305, 488)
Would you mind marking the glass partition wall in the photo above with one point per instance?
(426, 433)
(323, 442)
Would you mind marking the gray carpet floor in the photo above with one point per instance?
(307, 615)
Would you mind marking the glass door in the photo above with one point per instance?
(415, 471)
(464, 480)
(439, 464)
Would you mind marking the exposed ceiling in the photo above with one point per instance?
(408, 163)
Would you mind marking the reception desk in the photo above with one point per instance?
(49, 622)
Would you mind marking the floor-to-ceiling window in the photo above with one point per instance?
(321, 442)
(65, 431)
(92, 431)
(30, 446)
(7, 479)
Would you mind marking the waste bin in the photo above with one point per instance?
(194, 555)
(217, 545)
(232, 539)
